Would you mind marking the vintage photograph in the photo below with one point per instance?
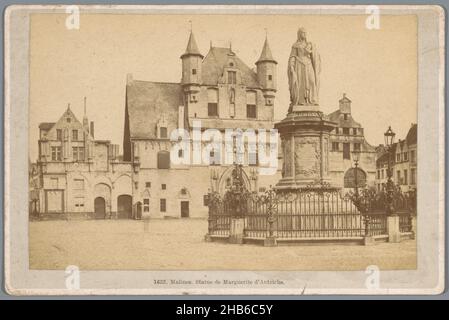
(246, 141)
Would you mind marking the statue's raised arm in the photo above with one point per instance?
(304, 67)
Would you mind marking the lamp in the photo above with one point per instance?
(389, 137)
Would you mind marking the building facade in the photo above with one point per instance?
(78, 175)
(347, 137)
(403, 161)
(217, 91)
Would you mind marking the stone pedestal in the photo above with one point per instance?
(394, 235)
(236, 231)
(369, 241)
(270, 242)
(305, 147)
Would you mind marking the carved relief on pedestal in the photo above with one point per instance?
(307, 157)
(287, 152)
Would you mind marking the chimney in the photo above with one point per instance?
(92, 129)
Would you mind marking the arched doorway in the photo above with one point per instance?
(100, 208)
(124, 206)
(352, 175)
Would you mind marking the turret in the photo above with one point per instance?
(345, 105)
(191, 67)
(266, 73)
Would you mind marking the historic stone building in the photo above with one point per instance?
(78, 175)
(219, 91)
(345, 138)
(403, 160)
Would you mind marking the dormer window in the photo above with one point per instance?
(232, 77)
(58, 134)
(68, 120)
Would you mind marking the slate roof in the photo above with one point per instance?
(46, 125)
(412, 135)
(214, 62)
(350, 123)
(266, 54)
(192, 48)
(146, 101)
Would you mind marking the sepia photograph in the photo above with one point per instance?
(265, 141)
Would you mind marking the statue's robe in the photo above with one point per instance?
(303, 74)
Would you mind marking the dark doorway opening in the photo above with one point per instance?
(184, 209)
(100, 208)
(124, 207)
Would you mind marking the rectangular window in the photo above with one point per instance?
(354, 131)
(413, 176)
(58, 134)
(163, 205)
(413, 156)
(180, 153)
(163, 186)
(336, 130)
(356, 146)
(346, 151)
(251, 111)
(232, 77)
(270, 77)
(405, 176)
(398, 175)
(335, 146)
(345, 116)
(193, 71)
(382, 173)
(212, 109)
(345, 130)
(78, 153)
(56, 153)
(163, 160)
(147, 184)
(398, 157)
(163, 132)
(405, 156)
(253, 159)
(378, 174)
(78, 184)
(146, 202)
(75, 135)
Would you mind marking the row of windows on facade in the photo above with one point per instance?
(232, 75)
(163, 158)
(162, 205)
(212, 110)
(75, 135)
(400, 179)
(346, 148)
(403, 156)
(77, 153)
(348, 131)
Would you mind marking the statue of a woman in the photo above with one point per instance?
(304, 67)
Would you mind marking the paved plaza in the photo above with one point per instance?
(178, 244)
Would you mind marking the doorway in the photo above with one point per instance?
(100, 208)
(124, 206)
(185, 209)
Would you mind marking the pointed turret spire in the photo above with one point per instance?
(85, 107)
(192, 48)
(266, 55)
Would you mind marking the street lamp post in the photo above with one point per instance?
(356, 158)
(389, 187)
(358, 201)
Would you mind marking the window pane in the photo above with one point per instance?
(163, 132)
(212, 110)
(251, 111)
(163, 205)
(163, 160)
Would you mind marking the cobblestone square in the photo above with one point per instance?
(178, 244)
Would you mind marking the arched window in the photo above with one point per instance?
(163, 160)
(353, 174)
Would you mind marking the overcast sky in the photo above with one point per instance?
(377, 69)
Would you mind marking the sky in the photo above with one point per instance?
(377, 69)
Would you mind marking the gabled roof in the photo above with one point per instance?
(192, 48)
(46, 125)
(412, 135)
(217, 59)
(266, 55)
(350, 123)
(146, 102)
